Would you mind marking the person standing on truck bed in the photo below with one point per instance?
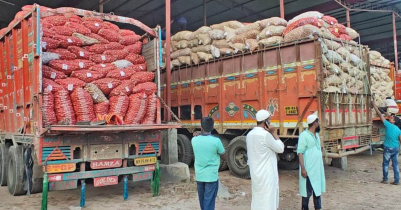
(391, 107)
(391, 147)
(311, 176)
(262, 144)
(207, 150)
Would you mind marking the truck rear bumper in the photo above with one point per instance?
(352, 152)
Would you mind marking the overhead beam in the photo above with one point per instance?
(243, 10)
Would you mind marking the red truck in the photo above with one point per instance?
(68, 153)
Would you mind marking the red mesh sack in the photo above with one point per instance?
(119, 105)
(97, 48)
(137, 67)
(111, 26)
(87, 76)
(341, 28)
(345, 37)
(94, 26)
(78, 27)
(97, 58)
(120, 74)
(47, 32)
(330, 20)
(80, 52)
(109, 34)
(106, 85)
(64, 54)
(83, 105)
(114, 46)
(119, 54)
(301, 22)
(125, 32)
(103, 68)
(49, 116)
(101, 108)
(142, 77)
(74, 19)
(49, 43)
(135, 58)
(63, 107)
(129, 40)
(99, 38)
(134, 48)
(150, 115)
(50, 73)
(63, 30)
(148, 87)
(334, 31)
(57, 20)
(66, 41)
(124, 89)
(64, 66)
(46, 25)
(70, 83)
(83, 64)
(96, 19)
(136, 109)
(51, 85)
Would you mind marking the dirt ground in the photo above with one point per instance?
(356, 188)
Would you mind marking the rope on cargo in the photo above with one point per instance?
(168, 108)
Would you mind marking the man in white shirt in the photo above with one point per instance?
(391, 107)
(262, 145)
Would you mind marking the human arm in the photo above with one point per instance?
(273, 141)
(223, 156)
(304, 174)
(221, 151)
(378, 112)
(301, 148)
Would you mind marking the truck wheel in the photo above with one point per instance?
(288, 160)
(237, 158)
(15, 175)
(184, 147)
(37, 185)
(224, 164)
(3, 164)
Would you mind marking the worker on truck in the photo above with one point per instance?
(391, 107)
(391, 147)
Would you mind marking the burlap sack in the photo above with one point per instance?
(301, 33)
(221, 43)
(250, 27)
(204, 39)
(202, 48)
(183, 52)
(217, 34)
(271, 41)
(314, 14)
(205, 56)
(229, 32)
(273, 21)
(182, 35)
(247, 35)
(270, 31)
(231, 24)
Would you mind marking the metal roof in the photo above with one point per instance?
(375, 28)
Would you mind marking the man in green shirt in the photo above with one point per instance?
(311, 176)
(207, 150)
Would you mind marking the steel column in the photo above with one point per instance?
(348, 19)
(101, 6)
(204, 12)
(168, 67)
(395, 43)
(282, 9)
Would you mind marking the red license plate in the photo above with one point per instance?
(100, 164)
(105, 181)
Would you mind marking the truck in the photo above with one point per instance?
(285, 79)
(104, 154)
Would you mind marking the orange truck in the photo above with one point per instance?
(68, 153)
(287, 81)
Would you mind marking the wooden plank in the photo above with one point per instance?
(149, 52)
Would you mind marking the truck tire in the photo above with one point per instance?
(37, 185)
(3, 164)
(15, 175)
(184, 147)
(237, 158)
(224, 164)
(288, 165)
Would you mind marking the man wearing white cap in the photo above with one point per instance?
(311, 176)
(262, 144)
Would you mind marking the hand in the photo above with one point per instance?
(304, 174)
(196, 133)
(271, 128)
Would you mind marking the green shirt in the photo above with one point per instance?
(207, 151)
(309, 146)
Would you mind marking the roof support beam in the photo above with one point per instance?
(239, 7)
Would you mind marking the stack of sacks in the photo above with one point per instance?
(272, 32)
(382, 85)
(91, 69)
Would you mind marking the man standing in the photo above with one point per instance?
(262, 144)
(311, 176)
(207, 150)
(391, 147)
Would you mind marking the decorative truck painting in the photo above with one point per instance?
(67, 142)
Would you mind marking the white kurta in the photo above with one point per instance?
(262, 160)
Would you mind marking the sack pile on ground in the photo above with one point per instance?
(382, 85)
(90, 70)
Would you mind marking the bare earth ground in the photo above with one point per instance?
(356, 188)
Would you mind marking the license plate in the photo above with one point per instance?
(145, 161)
(106, 151)
(105, 181)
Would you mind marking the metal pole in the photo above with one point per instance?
(395, 43)
(204, 12)
(101, 6)
(282, 9)
(348, 19)
(168, 67)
